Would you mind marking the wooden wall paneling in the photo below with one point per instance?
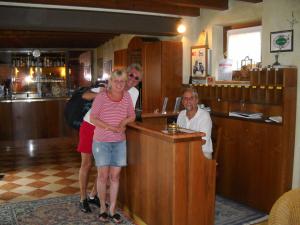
(52, 114)
(149, 178)
(272, 172)
(251, 168)
(6, 130)
(250, 165)
(162, 66)
(24, 122)
(228, 158)
(218, 105)
(135, 51)
(152, 84)
(201, 186)
(289, 122)
(120, 58)
(171, 82)
(181, 184)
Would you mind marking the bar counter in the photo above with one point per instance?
(168, 181)
(9, 100)
(33, 118)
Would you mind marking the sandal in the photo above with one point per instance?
(103, 217)
(116, 218)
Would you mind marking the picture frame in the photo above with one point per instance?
(281, 41)
(164, 108)
(177, 105)
(199, 60)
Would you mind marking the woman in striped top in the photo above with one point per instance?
(111, 111)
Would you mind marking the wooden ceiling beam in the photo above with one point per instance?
(52, 39)
(53, 34)
(132, 5)
(211, 4)
(253, 1)
(175, 7)
(42, 19)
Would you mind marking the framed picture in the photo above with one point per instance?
(177, 105)
(164, 108)
(281, 41)
(199, 60)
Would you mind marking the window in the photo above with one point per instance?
(244, 42)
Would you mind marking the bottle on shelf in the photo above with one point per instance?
(28, 61)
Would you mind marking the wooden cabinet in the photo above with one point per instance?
(162, 66)
(255, 164)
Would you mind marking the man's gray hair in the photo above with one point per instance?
(192, 90)
(137, 67)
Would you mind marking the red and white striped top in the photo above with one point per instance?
(112, 113)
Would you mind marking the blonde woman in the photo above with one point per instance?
(112, 110)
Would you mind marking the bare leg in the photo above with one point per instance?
(114, 174)
(86, 162)
(101, 186)
(94, 189)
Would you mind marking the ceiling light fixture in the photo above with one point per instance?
(181, 28)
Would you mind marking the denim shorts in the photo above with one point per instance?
(110, 153)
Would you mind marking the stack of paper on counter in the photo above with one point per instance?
(277, 119)
(248, 115)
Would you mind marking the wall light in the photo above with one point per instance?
(181, 28)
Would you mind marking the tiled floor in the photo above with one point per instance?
(38, 169)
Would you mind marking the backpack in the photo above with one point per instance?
(76, 107)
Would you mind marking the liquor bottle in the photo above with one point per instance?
(28, 62)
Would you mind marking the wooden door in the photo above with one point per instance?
(152, 86)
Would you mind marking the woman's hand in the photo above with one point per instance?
(116, 129)
(126, 121)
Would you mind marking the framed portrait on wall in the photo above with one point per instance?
(281, 41)
(199, 60)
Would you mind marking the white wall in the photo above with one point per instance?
(106, 51)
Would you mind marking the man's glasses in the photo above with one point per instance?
(135, 77)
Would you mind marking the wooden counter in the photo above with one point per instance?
(168, 181)
(33, 119)
(254, 163)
